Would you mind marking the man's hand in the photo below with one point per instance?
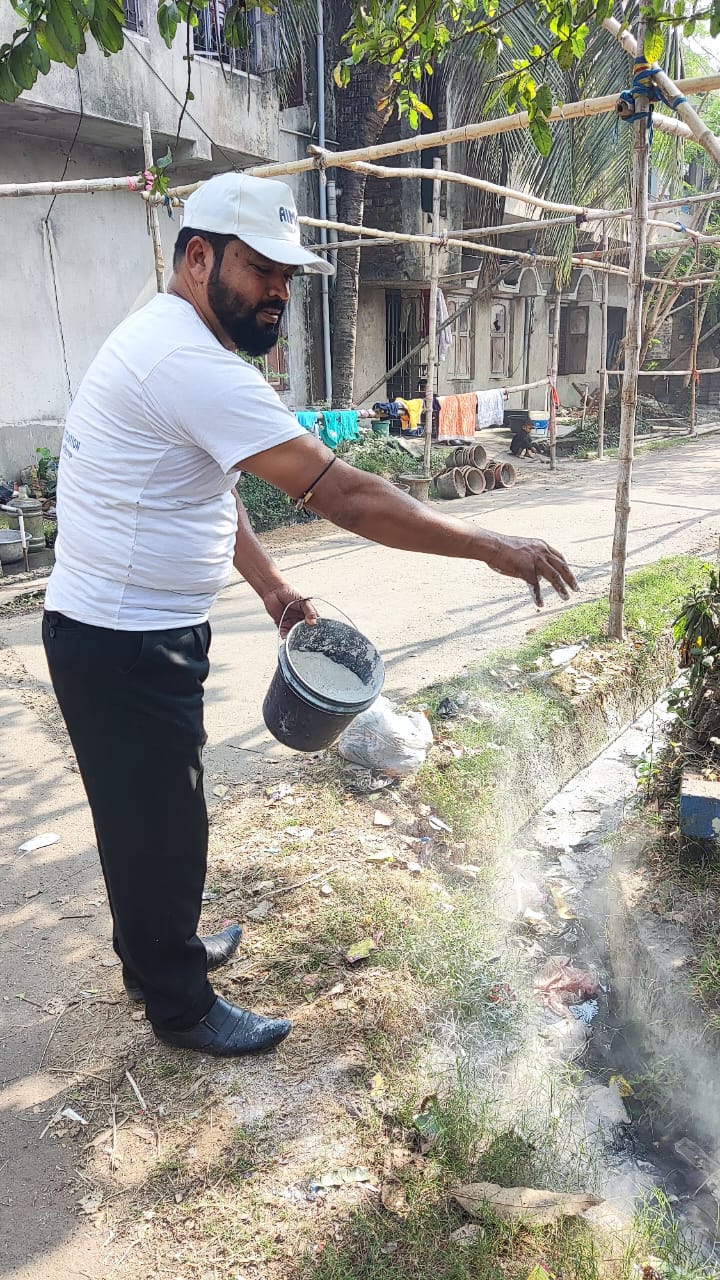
(284, 600)
(531, 559)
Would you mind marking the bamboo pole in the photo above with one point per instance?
(633, 338)
(603, 358)
(153, 215)
(552, 375)
(687, 113)
(694, 351)
(477, 296)
(432, 316)
(526, 386)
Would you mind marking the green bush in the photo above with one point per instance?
(267, 507)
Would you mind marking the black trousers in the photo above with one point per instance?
(133, 705)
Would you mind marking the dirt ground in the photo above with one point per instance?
(67, 1035)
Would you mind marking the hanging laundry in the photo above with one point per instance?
(307, 419)
(445, 338)
(458, 416)
(490, 408)
(389, 408)
(339, 425)
(410, 419)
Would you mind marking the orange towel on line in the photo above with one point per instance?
(458, 417)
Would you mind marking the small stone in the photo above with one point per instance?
(260, 912)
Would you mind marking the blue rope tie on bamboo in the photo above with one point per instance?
(643, 86)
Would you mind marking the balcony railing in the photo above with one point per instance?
(133, 20)
(261, 54)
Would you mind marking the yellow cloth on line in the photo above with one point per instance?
(414, 409)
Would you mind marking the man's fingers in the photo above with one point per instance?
(309, 612)
(561, 566)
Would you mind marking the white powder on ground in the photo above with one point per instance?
(331, 678)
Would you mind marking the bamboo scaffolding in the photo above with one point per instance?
(552, 379)
(633, 340)
(432, 317)
(602, 398)
(153, 216)
(685, 110)
(694, 353)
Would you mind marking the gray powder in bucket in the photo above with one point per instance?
(331, 678)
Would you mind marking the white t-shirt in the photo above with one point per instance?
(146, 514)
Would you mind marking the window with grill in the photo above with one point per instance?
(499, 340)
(132, 20)
(261, 54)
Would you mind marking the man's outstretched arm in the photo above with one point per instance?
(366, 505)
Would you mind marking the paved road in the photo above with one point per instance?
(428, 615)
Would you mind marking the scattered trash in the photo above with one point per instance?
(340, 1178)
(585, 1012)
(448, 709)
(468, 1234)
(693, 1155)
(502, 994)
(537, 920)
(605, 1108)
(303, 834)
(542, 1208)
(624, 1087)
(38, 842)
(562, 908)
(437, 824)
(540, 1273)
(91, 1203)
(390, 744)
(381, 855)
(74, 1116)
(360, 950)
(568, 865)
(326, 890)
(377, 1086)
(220, 791)
(382, 819)
(260, 912)
(566, 653)
(559, 983)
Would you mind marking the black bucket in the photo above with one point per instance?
(307, 718)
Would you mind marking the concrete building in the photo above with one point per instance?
(75, 266)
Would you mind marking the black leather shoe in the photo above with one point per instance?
(220, 948)
(227, 1031)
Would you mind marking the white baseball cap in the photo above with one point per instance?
(259, 211)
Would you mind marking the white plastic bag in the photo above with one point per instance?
(390, 744)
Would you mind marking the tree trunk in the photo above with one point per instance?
(633, 336)
(347, 285)
(361, 111)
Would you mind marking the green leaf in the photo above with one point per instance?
(65, 26)
(654, 44)
(541, 135)
(21, 66)
(544, 100)
(165, 160)
(9, 89)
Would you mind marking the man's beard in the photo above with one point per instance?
(240, 322)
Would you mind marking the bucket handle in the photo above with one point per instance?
(320, 600)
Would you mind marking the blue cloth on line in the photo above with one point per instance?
(307, 418)
(338, 425)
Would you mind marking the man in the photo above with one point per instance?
(149, 526)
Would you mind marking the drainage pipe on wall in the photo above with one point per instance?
(324, 283)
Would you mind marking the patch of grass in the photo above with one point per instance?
(519, 707)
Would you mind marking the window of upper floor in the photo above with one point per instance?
(262, 52)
